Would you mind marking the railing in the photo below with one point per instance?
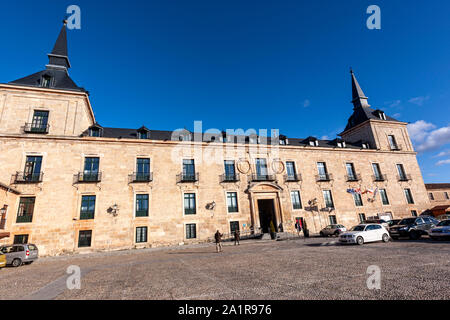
(182, 177)
(229, 177)
(354, 177)
(141, 213)
(140, 177)
(25, 218)
(262, 177)
(88, 177)
(86, 215)
(381, 177)
(190, 211)
(404, 177)
(397, 147)
(293, 177)
(22, 177)
(36, 128)
(324, 177)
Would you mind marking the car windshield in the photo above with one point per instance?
(408, 221)
(445, 223)
(358, 228)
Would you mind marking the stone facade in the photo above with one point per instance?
(439, 196)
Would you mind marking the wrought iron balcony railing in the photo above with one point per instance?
(140, 177)
(25, 218)
(396, 147)
(229, 177)
(23, 177)
(293, 177)
(189, 211)
(36, 128)
(353, 177)
(262, 177)
(142, 213)
(88, 177)
(378, 178)
(187, 177)
(404, 177)
(324, 177)
(86, 215)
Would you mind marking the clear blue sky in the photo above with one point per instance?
(248, 64)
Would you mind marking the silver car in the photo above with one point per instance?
(18, 254)
(332, 230)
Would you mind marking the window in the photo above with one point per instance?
(290, 169)
(84, 238)
(392, 143)
(322, 169)
(189, 169)
(362, 217)
(446, 195)
(46, 81)
(296, 200)
(328, 198)
(381, 115)
(91, 165)
(401, 173)
(409, 197)
(230, 170)
(332, 219)
(32, 171)
(191, 231)
(20, 239)
(384, 197)
(358, 199)
(351, 175)
(234, 225)
(142, 169)
(40, 121)
(431, 196)
(94, 132)
(189, 203)
(87, 207)
(142, 205)
(261, 168)
(141, 234)
(365, 145)
(142, 135)
(26, 209)
(414, 213)
(232, 202)
(377, 172)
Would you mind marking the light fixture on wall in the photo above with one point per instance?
(211, 205)
(3, 210)
(114, 210)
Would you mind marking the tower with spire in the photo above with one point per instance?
(372, 126)
(56, 74)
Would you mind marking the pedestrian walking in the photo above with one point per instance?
(236, 237)
(298, 227)
(218, 237)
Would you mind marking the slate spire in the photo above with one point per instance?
(359, 99)
(59, 58)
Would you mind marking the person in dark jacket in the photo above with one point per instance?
(237, 236)
(218, 237)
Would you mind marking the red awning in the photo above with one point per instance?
(4, 235)
(443, 207)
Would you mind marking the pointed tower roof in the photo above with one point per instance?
(359, 99)
(56, 75)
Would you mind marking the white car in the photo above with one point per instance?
(441, 231)
(363, 233)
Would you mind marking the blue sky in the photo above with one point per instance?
(248, 64)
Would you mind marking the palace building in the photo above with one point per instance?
(67, 184)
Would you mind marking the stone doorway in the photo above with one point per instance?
(266, 210)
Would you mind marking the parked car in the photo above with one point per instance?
(2, 260)
(442, 217)
(377, 221)
(332, 230)
(364, 233)
(18, 254)
(413, 228)
(393, 222)
(441, 231)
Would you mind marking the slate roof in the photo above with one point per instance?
(433, 186)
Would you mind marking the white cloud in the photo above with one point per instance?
(325, 137)
(396, 115)
(306, 103)
(442, 154)
(419, 100)
(427, 137)
(393, 104)
(442, 162)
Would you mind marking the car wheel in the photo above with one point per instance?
(360, 240)
(414, 235)
(385, 238)
(16, 263)
(337, 233)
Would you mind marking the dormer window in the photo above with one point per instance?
(314, 143)
(283, 140)
(94, 132)
(185, 137)
(143, 135)
(46, 81)
(253, 139)
(380, 114)
(365, 145)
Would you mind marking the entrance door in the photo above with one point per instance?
(266, 210)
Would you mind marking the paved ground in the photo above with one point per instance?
(293, 269)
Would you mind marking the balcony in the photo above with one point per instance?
(86, 215)
(187, 177)
(36, 128)
(293, 177)
(140, 177)
(396, 147)
(404, 177)
(88, 177)
(324, 177)
(22, 177)
(262, 177)
(353, 177)
(25, 218)
(379, 178)
(190, 211)
(229, 177)
(142, 213)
